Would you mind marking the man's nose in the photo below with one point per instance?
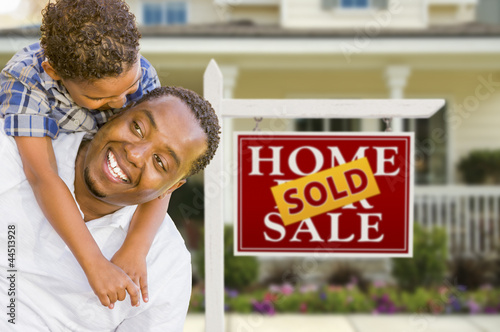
(137, 153)
(118, 102)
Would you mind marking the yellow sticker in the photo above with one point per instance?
(324, 191)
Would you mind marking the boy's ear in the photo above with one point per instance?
(50, 71)
(171, 189)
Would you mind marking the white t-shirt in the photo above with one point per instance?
(51, 290)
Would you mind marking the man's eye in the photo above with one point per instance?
(138, 129)
(158, 161)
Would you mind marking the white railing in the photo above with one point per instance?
(470, 215)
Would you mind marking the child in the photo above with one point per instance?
(85, 68)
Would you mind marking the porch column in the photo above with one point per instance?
(397, 78)
(230, 75)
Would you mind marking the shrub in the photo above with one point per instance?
(239, 271)
(473, 272)
(346, 274)
(283, 273)
(428, 265)
(481, 166)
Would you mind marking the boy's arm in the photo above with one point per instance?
(131, 257)
(59, 207)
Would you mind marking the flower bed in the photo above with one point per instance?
(379, 299)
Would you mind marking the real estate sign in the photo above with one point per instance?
(341, 194)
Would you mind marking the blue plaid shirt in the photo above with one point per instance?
(33, 104)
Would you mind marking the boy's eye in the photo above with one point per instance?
(138, 129)
(159, 161)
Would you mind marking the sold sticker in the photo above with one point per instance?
(324, 191)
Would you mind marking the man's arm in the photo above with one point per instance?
(169, 264)
(131, 257)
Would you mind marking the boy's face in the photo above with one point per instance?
(143, 152)
(105, 93)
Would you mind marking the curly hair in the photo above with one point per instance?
(202, 111)
(89, 39)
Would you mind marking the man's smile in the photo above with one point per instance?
(114, 169)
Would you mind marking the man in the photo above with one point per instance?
(145, 152)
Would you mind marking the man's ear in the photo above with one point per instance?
(171, 189)
(50, 71)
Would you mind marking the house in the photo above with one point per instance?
(349, 49)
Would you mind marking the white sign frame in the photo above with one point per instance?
(216, 178)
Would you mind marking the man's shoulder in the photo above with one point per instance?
(170, 248)
(169, 234)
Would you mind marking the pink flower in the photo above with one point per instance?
(287, 289)
(474, 308)
(303, 307)
(443, 290)
(308, 288)
(275, 288)
(270, 297)
(335, 288)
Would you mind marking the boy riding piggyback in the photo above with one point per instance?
(86, 68)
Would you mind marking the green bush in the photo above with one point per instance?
(480, 167)
(428, 265)
(239, 271)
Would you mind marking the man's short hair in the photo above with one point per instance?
(203, 112)
(89, 39)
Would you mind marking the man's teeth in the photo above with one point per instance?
(114, 168)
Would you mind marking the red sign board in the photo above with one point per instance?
(378, 224)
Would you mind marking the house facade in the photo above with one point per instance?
(347, 49)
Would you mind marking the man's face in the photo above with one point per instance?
(143, 152)
(105, 93)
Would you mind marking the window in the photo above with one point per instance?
(354, 3)
(176, 13)
(164, 13)
(327, 125)
(152, 13)
(430, 148)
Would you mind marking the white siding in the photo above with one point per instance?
(451, 14)
(479, 127)
(310, 14)
(256, 14)
(207, 11)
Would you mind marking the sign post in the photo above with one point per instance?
(217, 174)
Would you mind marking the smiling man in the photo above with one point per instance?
(143, 153)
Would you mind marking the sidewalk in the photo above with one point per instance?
(350, 323)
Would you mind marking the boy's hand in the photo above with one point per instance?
(111, 284)
(134, 264)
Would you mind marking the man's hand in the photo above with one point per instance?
(111, 284)
(134, 264)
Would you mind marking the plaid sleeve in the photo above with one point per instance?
(150, 79)
(26, 110)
